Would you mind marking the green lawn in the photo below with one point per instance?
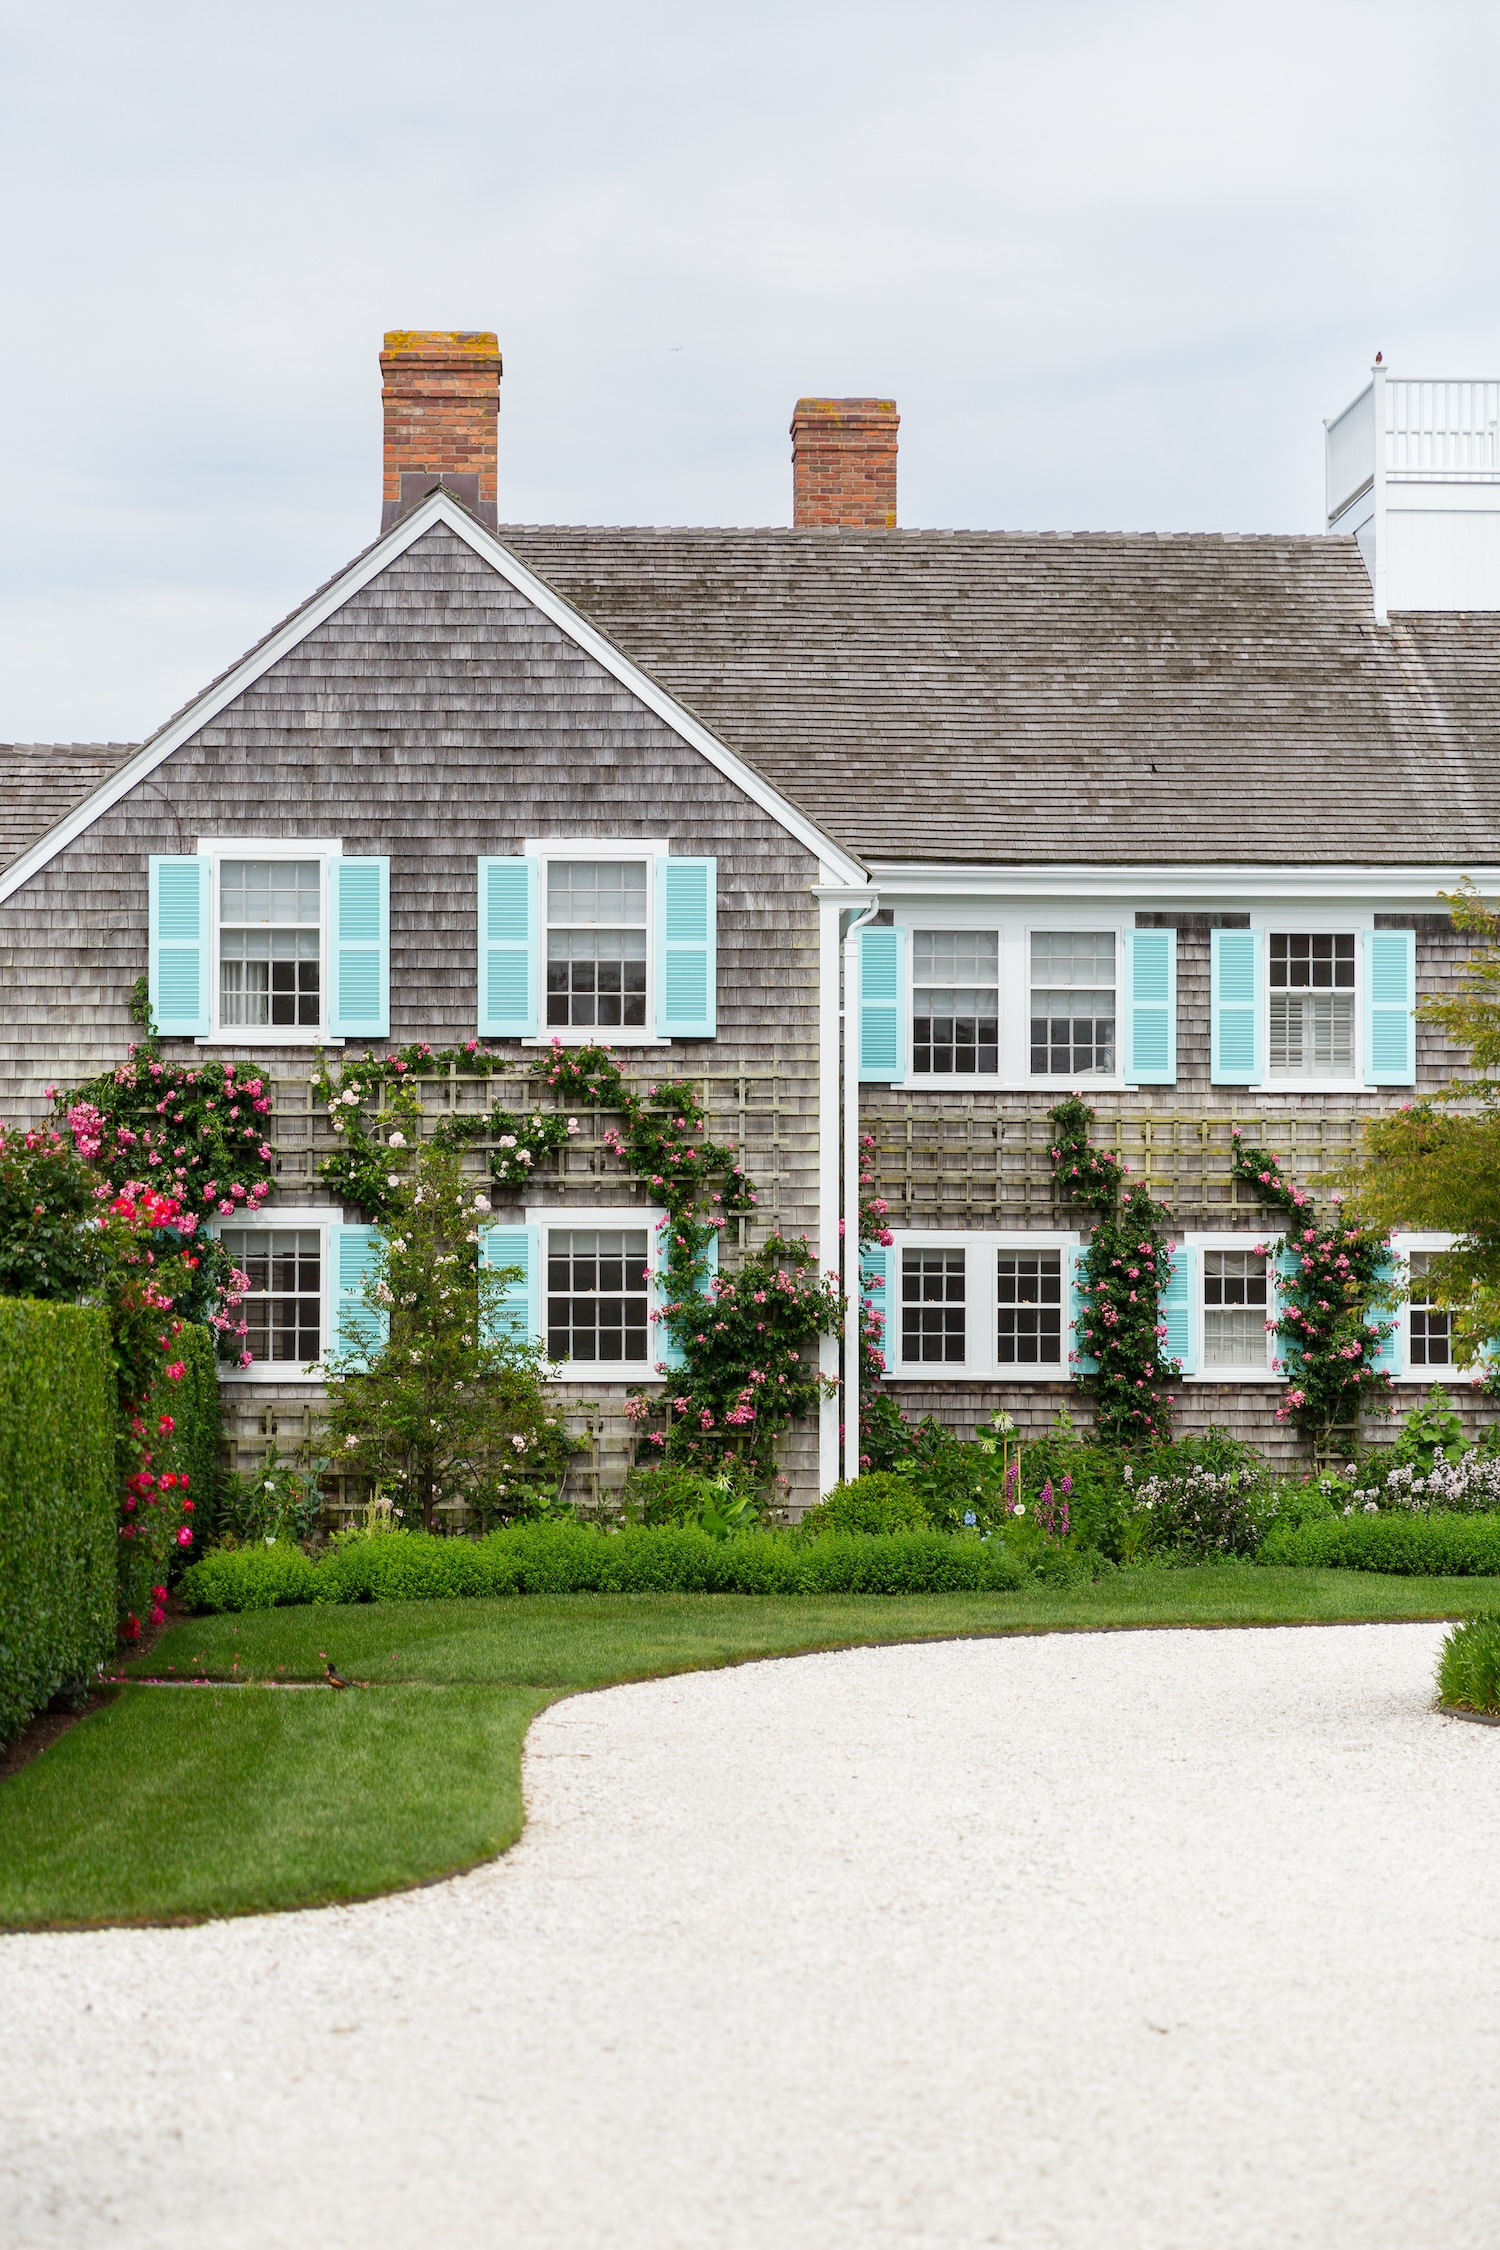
(226, 1800)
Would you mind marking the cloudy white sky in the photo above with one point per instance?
(1116, 261)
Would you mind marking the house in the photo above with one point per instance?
(1164, 819)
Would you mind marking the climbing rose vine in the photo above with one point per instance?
(1126, 1265)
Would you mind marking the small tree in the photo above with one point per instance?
(451, 1407)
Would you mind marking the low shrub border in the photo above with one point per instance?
(1435, 1546)
(1469, 1667)
(57, 1503)
(570, 1558)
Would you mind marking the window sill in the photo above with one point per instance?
(936, 1372)
(1233, 1375)
(583, 1035)
(258, 1035)
(606, 1371)
(293, 1372)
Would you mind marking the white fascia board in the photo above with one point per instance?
(1186, 885)
(438, 507)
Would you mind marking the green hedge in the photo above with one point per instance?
(576, 1559)
(1435, 1546)
(57, 1502)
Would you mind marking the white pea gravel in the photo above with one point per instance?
(1145, 1939)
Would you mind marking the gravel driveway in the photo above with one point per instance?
(1148, 1939)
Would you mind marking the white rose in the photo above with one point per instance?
(397, 1140)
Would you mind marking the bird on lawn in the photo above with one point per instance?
(333, 1679)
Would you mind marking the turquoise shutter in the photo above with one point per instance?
(687, 920)
(181, 946)
(882, 1021)
(1388, 1356)
(1151, 1007)
(517, 1319)
(672, 1354)
(509, 947)
(1081, 1360)
(1284, 1262)
(877, 1269)
(1237, 1002)
(359, 1328)
(1390, 995)
(1178, 1300)
(359, 948)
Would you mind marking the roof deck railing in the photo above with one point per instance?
(1435, 430)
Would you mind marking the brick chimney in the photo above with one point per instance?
(441, 394)
(844, 463)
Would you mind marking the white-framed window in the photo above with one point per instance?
(1423, 1344)
(290, 1258)
(977, 1304)
(596, 1290)
(955, 977)
(597, 914)
(1310, 996)
(1072, 1003)
(270, 922)
(1231, 1298)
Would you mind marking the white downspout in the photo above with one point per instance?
(850, 1044)
(1382, 550)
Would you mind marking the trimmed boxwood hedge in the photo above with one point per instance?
(1411, 1546)
(57, 1502)
(577, 1559)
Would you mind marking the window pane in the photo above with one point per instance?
(955, 1030)
(1431, 1330)
(1029, 1308)
(955, 957)
(1233, 1277)
(1072, 1033)
(1073, 957)
(1236, 1293)
(1322, 961)
(269, 890)
(932, 1305)
(284, 1306)
(598, 1294)
(1312, 1035)
(596, 892)
(596, 977)
(1234, 1339)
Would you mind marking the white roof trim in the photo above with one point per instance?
(1184, 884)
(438, 507)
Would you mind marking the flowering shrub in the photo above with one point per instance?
(1127, 1261)
(1331, 1273)
(741, 1338)
(449, 1408)
(1198, 1514)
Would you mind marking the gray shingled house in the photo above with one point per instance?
(1164, 819)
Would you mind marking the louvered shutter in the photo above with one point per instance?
(669, 1353)
(509, 947)
(882, 1028)
(877, 1271)
(180, 960)
(1388, 1357)
(1081, 1359)
(517, 1319)
(1178, 1302)
(1237, 1002)
(1390, 995)
(687, 916)
(359, 948)
(359, 1328)
(1151, 1007)
(1284, 1263)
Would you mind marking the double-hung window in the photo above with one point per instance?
(283, 1305)
(1429, 1328)
(270, 944)
(1236, 1297)
(1310, 984)
(596, 943)
(1072, 1003)
(974, 1305)
(955, 1002)
(599, 1296)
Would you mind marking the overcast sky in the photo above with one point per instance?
(1116, 263)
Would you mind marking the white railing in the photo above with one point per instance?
(1449, 430)
(1351, 451)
